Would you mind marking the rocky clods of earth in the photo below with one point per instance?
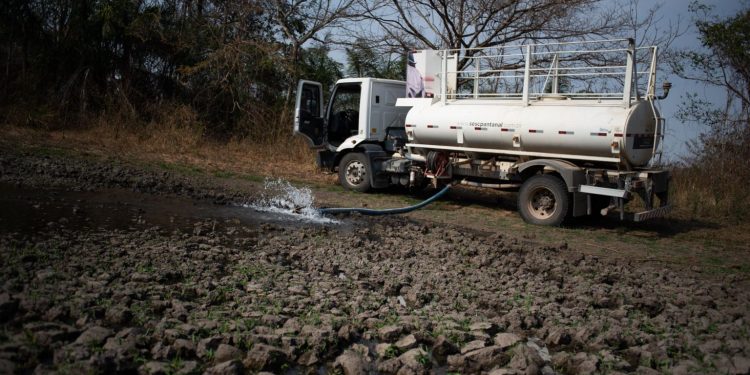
(310, 298)
(386, 295)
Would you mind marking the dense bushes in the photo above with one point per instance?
(66, 61)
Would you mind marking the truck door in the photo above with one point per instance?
(308, 113)
(343, 113)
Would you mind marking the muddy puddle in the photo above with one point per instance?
(25, 209)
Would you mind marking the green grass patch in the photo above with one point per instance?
(223, 174)
(252, 178)
(51, 151)
(181, 168)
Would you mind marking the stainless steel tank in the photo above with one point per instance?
(593, 130)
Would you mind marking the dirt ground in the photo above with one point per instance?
(110, 267)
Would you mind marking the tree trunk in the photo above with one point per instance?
(294, 73)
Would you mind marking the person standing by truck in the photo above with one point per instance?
(414, 81)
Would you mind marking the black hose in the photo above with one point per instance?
(386, 211)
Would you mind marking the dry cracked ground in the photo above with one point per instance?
(110, 268)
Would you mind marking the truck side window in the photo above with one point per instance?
(344, 115)
(310, 101)
(347, 99)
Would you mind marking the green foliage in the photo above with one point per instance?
(366, 61)
(723, 148)
(317, 65)
(423, 359)
(62, 61)
(729, 40)
(391, 352)
(724, 62)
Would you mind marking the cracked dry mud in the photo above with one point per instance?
(196, 291)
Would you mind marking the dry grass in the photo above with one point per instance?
(177, 138)
(718, 194)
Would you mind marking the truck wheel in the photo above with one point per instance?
(543, 200)
(354, 173)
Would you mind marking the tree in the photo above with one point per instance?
(724, 62)
(221, 59)
(301, 21)
(467, 24)
(723, 147)
(364, 60)
(648, 28)
(317, 65)
(228, 64)
(728, 65)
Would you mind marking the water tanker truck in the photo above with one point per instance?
(573, 127)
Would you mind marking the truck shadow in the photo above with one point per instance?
(662, 227)
(465, 197)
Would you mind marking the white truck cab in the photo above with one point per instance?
(358, 129)
(360, 110)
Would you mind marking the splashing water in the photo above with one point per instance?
(279, 196)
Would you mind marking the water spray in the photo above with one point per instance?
(281, 197)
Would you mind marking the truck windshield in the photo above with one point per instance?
(343, 120)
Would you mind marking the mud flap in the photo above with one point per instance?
(325, 159)
(660, 180)
(580, 204)
(375, 157)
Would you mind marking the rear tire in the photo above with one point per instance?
(354, 172)
(544, 200)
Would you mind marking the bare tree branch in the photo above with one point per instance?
(467, 24)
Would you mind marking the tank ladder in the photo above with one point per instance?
(658, 147)
(660, 122)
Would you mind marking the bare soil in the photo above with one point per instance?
(110, 267)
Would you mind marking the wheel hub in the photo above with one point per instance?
(542, 203)
(355, 172)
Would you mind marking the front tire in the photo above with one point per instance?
(354, 172)
(544, 200)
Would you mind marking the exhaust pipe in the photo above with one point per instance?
(665, 87)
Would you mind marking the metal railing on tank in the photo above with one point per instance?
(603, 71)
